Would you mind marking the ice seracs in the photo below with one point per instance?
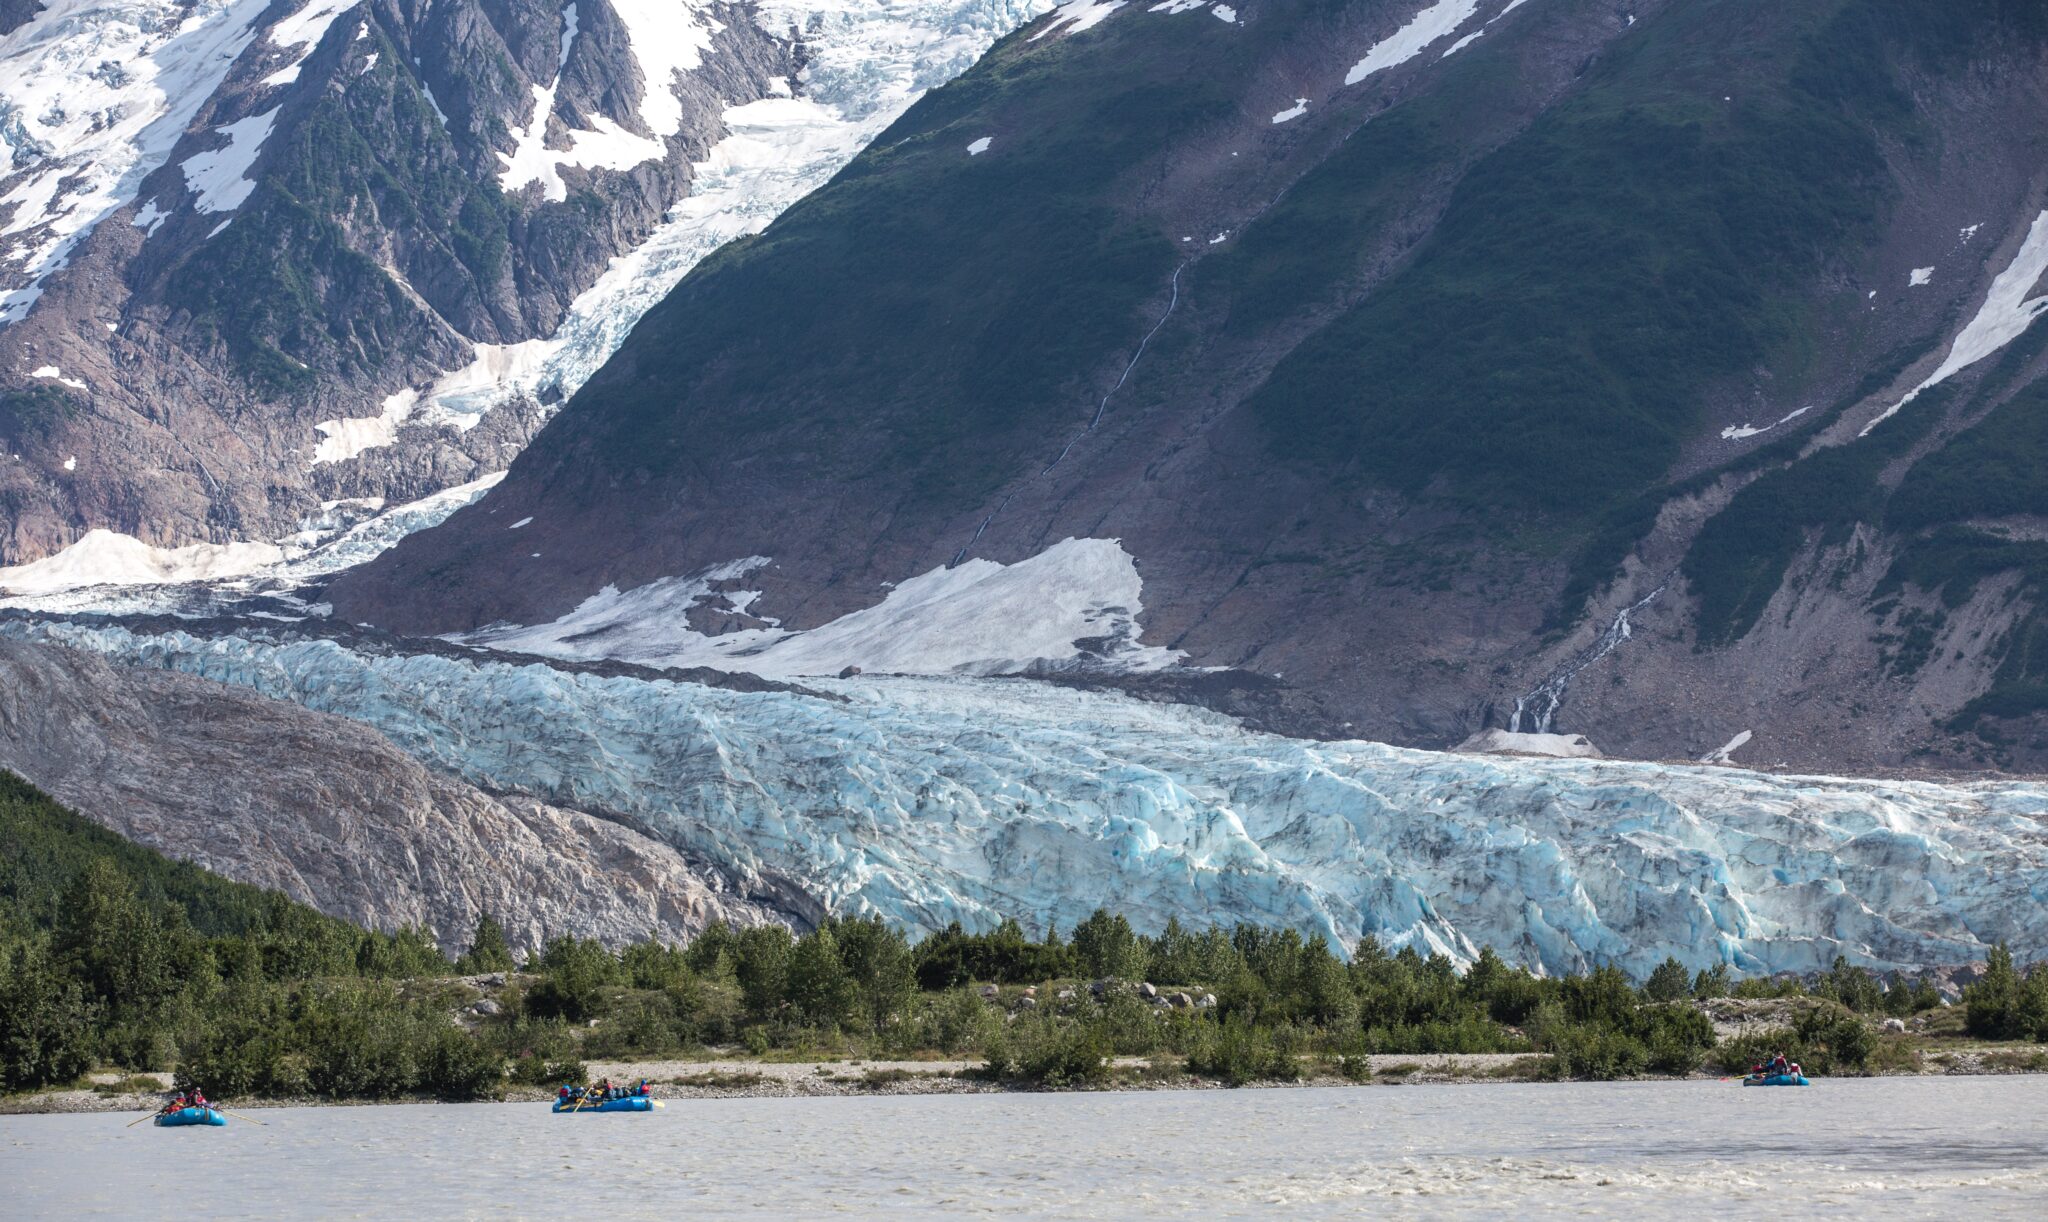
(928, 800)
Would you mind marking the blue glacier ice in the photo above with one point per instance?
(929, 800)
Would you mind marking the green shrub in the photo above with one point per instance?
(1238, 1053)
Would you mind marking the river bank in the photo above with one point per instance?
(1867, 1148)
(746, 1078)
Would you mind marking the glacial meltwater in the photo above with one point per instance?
(1873, 1148)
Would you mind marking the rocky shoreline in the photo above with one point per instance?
(748, 1079)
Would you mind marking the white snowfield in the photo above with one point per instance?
(93, 95)
(869, 60)
(931, 800)
(220, 178)
(105, 557)
(1508, 742)
(110, 572)
(1434, 22)
(1076, 601)
(2007, 312)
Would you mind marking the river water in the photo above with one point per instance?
(1875, 1148)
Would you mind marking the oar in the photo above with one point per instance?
(145, 1116)
(237, 1115)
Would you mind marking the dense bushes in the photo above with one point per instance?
(281, 1002)
(2005, 1005)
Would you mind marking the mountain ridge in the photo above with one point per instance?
(1490, 336)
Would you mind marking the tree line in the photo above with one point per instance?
(113, 956)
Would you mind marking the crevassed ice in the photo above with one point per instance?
(932, 800)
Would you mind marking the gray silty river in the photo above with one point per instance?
(1885, 1148)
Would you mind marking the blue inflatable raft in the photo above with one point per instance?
(631, 1103)
(190, 1115)
(1776, 1079)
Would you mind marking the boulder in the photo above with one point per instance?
(1208, 1001)
(1147, 991)
(990, 991)
(1896, 1026)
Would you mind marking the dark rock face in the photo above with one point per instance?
(334, 815)
(377, 246)
(1529, 372)
(15, 13)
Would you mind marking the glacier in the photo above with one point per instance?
(927, 800)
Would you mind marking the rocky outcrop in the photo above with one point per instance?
(329, 812)
(338, 205)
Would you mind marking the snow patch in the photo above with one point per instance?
(979, 147)
(867, 63)
(303, 31)
(1506, 742)
(1920, 276)
(54, 374)
(117, 575)
(71, 463)
(1727, 752)
(1515, 4)
(1462, 43)
(1437, 21)
(1170, 7)
(1293, 112)
(344, 439)
(521, 522)
(427, 92)
(667, 38)
(149, 219)
(1225, 14)
(1741, 432)
(2006, 314)
(105, 557)
(220, 177)
(1076, 602)
(1079, 15)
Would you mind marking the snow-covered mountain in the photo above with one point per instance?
(271, 263)
(933, 800)
(1655, 372)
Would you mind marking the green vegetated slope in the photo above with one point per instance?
(1493, 309)
(290, 288)
(1548, 346)
(928, 318)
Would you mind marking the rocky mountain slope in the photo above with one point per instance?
(332, 814)
(269, 265)
(1654, 371)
